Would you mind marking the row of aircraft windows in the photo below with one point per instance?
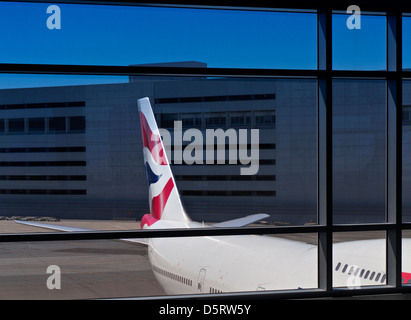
(173, 276)
(180, 279)
(213, 290)
(367, 274)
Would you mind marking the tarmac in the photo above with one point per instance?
(92, 269)
(88, 269)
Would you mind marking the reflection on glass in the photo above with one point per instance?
(359, 137)
(359, 49)
(359, 259)
(132, 35)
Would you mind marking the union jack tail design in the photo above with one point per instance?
(164, 199)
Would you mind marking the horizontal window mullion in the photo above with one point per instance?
(149, 70)
(158, 233)
(293, 294)
(194, 232)
(283, 5)
(188, 71)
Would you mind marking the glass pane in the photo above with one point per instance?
(359, 259)
(11, 81)
(135, 35)
(16, 125)
(114, 269)
(168, 119)
(192, 120)
(406, 151)
(77, 124)
(89, 162)
(240, 119)
(406, 43)
(406, 257)
(285, 185)
(36, 125)
(56, 270)
(216, 120)
(359, 139)
(359, 49)
(57, 124)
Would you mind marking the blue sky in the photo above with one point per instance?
(359, 49)
(117, 35)
(106, 35)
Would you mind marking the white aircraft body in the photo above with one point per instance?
(215, 264)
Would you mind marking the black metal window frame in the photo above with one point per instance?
(394, 75)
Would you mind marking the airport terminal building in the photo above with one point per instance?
(76, 152)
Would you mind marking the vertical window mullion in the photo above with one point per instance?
(324, 142)
(394, 152)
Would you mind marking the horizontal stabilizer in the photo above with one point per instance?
(52, 226)
(241, 222)
(72, 229)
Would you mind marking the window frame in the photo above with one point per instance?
(394, 75)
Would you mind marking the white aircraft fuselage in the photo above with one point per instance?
(256, 263)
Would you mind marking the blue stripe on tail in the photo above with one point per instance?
(151, 176)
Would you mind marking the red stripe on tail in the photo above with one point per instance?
(159, 202)
(406, 277)
(152, 142)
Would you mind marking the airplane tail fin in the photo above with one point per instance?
(164, 199)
